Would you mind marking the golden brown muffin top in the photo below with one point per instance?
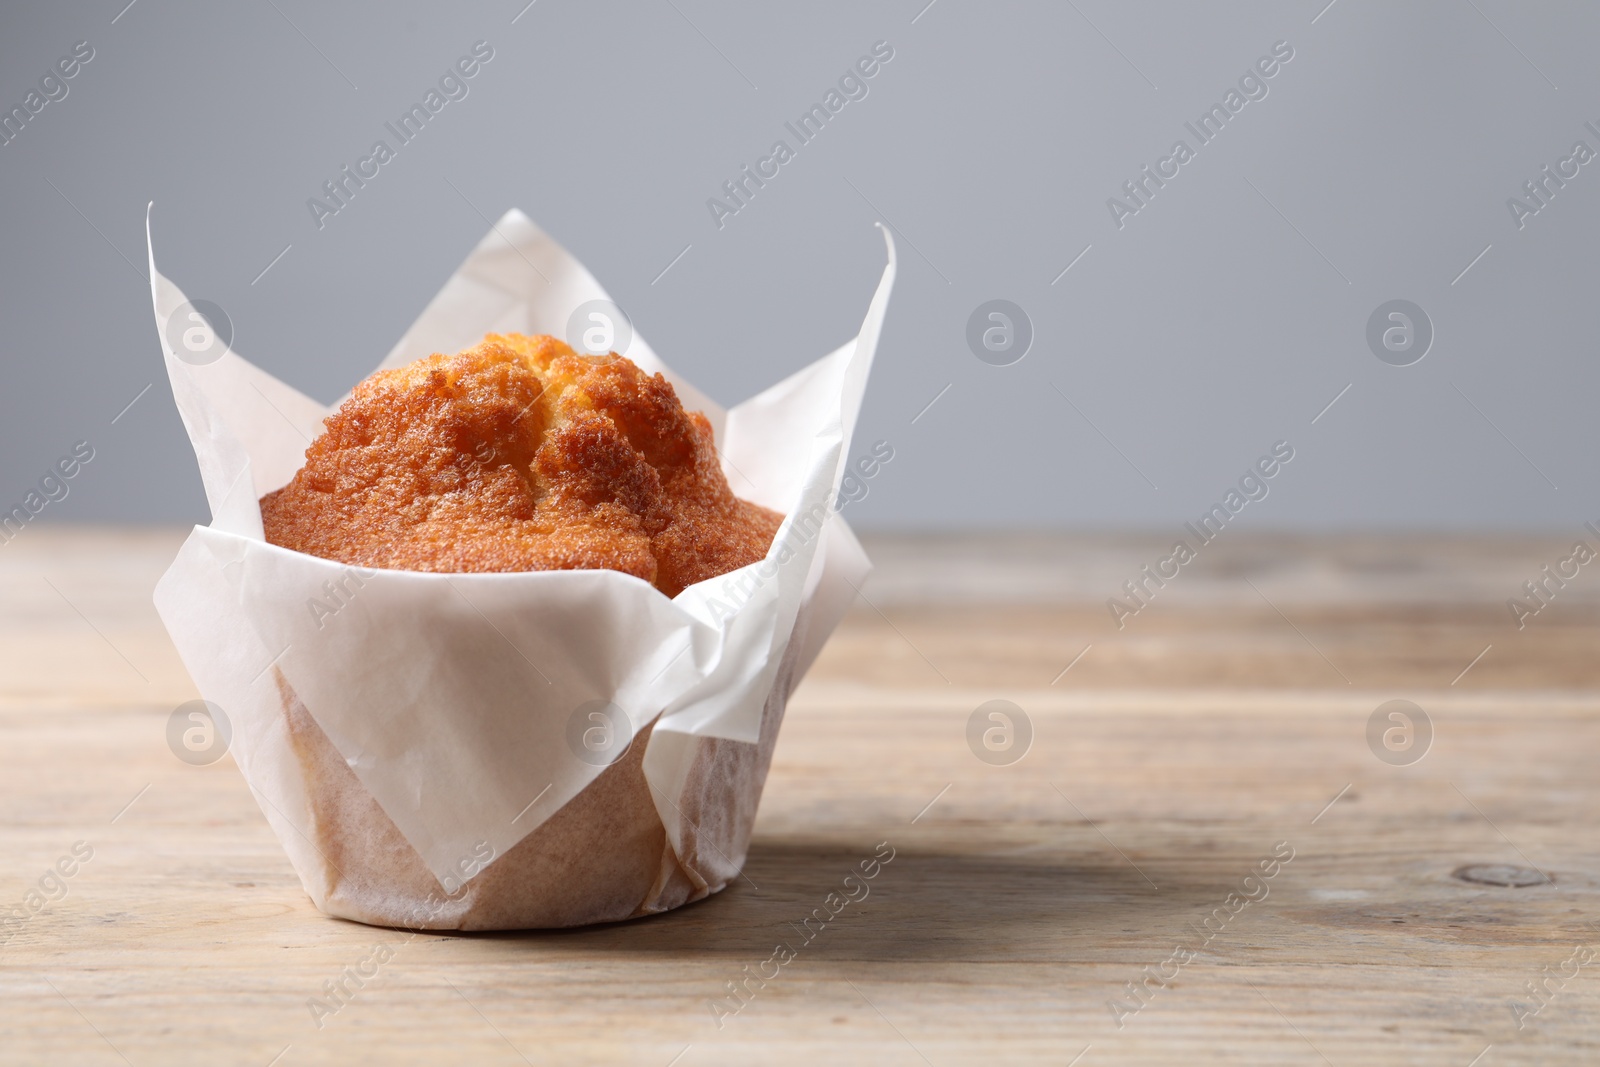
(518, 454)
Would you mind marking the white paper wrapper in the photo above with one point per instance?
(396, 745)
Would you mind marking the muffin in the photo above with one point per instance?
(519, 454)
(531, 735)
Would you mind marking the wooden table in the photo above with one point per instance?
(1166, 765)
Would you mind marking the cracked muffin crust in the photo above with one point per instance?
(519, 454)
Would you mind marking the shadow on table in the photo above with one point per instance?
(924, 905)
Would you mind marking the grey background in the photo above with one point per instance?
(1223, 317)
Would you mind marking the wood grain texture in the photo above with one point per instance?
(1165, 764)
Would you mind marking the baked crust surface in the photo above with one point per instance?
(519, 454)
